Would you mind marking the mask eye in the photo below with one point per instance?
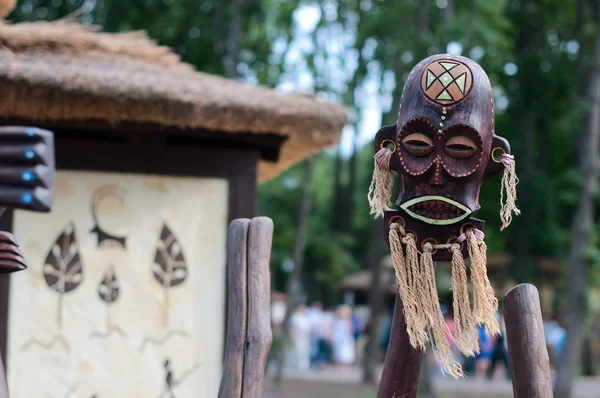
(460, 147)
(418, 144)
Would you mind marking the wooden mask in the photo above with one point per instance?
(443, 147)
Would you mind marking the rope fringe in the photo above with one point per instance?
(485, 303)
(508, 191)
(406, 279)
(465, 330)
(438, 331)
(418, 291)
(382, 183)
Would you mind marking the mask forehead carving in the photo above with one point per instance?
(448, 90)
(446, 81)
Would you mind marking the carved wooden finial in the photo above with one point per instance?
(6, 6)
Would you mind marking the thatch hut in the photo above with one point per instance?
(153, 159)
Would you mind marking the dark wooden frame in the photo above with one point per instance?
(164, 152)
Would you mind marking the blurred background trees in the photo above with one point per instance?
(539, 56)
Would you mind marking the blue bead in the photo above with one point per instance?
(29, 154)
(26, 198)
(27, 176)
(30, 132)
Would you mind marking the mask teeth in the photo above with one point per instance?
(436, 210)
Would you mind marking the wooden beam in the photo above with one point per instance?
(268, 144)
(529, 362)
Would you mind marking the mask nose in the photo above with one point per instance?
(437, 178)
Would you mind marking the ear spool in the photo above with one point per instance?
(382, 183)
(508, 189)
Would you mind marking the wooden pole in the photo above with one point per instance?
(259, 336)
(402, 367)
(529, 362)
(237, 309)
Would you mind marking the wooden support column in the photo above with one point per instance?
(529, 362)
(402, 367)
(249, 334)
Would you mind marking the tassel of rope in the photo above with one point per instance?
(382, 183)
(418, 284)
(508, 190)
(438, 330)
(406, 280)
(418, 291)
(485, 303)
(465, 330)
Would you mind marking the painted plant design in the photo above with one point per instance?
(63, 273)
(109, 292)
(169, 266)
(170, 270)
(63, 270)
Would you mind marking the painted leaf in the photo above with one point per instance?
(169, 266)
(108, 288)
(63, 270)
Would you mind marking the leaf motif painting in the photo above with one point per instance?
(109, 292)
(170, 270)
(108, 288)
(63, 269)
(169, 266)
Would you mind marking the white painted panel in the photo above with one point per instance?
(80, 344)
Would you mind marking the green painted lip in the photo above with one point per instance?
(405, 206)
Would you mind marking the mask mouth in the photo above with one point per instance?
(437, 210)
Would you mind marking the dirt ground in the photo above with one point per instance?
(331, 383)
(320, 389)
(312, 389)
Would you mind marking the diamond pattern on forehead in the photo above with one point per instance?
(448, 65)
(446, 82)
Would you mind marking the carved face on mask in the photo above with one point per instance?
(443, 145)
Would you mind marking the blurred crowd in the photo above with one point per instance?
(326, 337)
(337, 337)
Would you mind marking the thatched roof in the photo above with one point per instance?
(65, 72)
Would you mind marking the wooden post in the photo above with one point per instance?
(529, 362)
(259, 336)
(402, 367)
(249, 334)
(237, 309)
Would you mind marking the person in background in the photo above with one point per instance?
(360, 318)
(314, 313)
(500, 350)
(486, 349)
(344, 350)
(300, 336)
(555, 338)
(324, 341)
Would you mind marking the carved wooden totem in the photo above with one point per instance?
(443, 147)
